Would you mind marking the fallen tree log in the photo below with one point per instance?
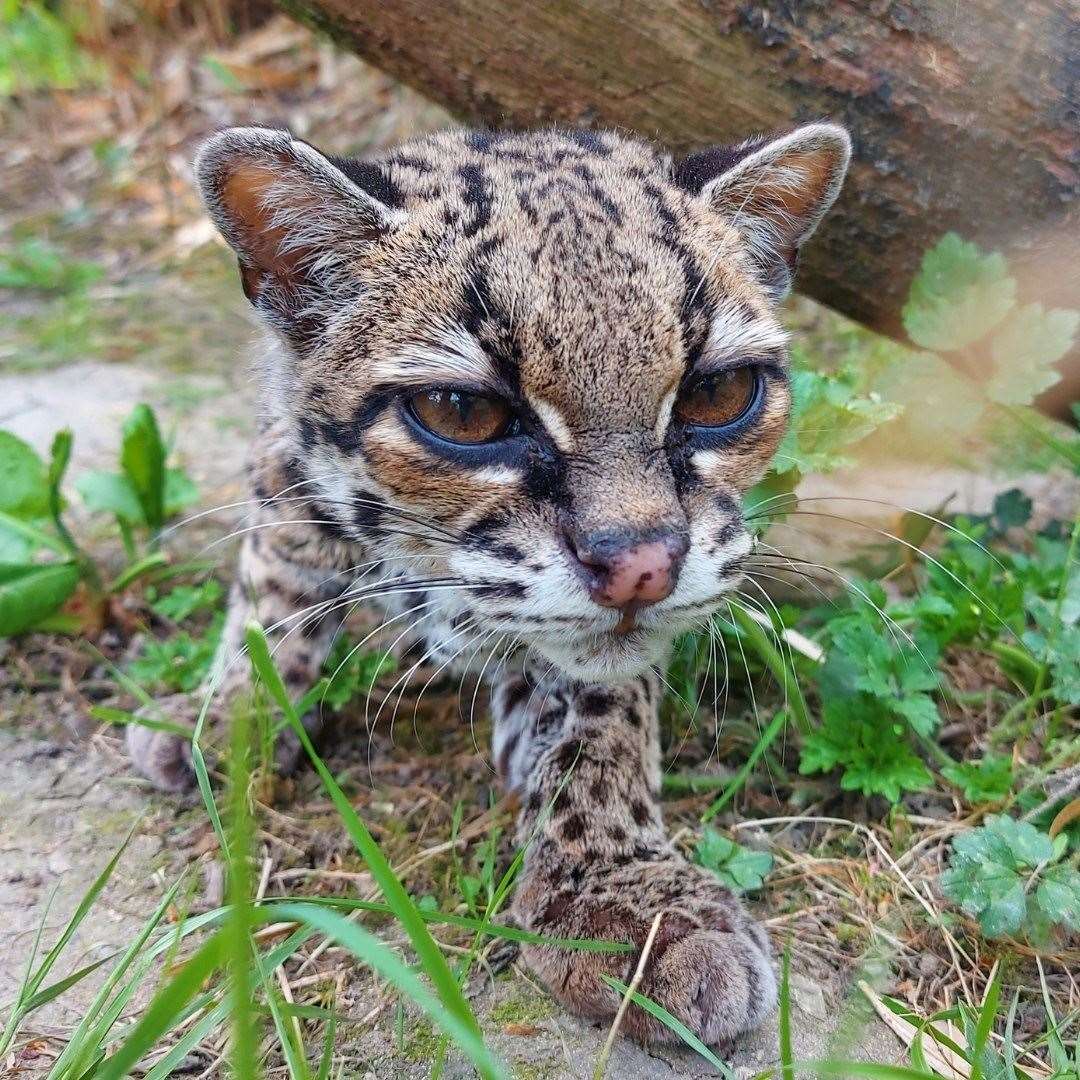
(965, 116)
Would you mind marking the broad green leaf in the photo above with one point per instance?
(24, 483)
(15, 547)
(989, 872)
(111, 493)
(1025, 348)
(958, 296)
(1058, 895)
(142, 456)
(28, 593)
(741, 869)
(180, 491)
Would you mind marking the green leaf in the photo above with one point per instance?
(982, 781)
(142, 457)
(351, 672)
(1012, 509)
(857, 734)
(180, 491)
(958, 296)
(36, 264)
(178, 662)
(740, 868)
(15, 547)
(1058, 895)
(773, 497)
(185, 600)
(111, 493)
(1023, 351)
(920, 711)
(988, 873)
(28, 593)
(24, 483)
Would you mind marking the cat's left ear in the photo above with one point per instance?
(296, 220)
(774, 192)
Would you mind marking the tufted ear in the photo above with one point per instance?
(774, 192)
(294, 218)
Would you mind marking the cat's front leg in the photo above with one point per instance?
(292, 580)
(586, 761)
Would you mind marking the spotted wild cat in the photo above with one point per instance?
(513, 388)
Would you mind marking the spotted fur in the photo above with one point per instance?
(586, 279)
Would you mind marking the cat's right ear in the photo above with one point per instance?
(296, 221)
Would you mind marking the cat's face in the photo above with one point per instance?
(540, 369)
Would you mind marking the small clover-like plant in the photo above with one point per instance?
(1008, 875)
(741, 869)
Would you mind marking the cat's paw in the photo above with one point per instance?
(162, 757)
(710, 965)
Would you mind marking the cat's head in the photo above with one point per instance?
(547, 363)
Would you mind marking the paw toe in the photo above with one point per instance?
(162, 757)
(719, 984)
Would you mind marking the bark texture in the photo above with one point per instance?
(965, 114)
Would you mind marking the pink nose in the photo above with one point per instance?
(637, 575)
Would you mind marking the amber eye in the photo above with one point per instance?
(718, 399)
(460, 416)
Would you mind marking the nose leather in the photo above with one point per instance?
(641, 574)
(633, 576)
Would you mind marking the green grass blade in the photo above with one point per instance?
(85, 904)
(778, 665)
(987, 1015)
(54, 990)
(145, 565)
(237, 927)
(326, 1062)
(480, 926)
(405, 910)
(787, 1068)
(165, 1009)
(871, 1070)
(671, 1023)
(122, 718)
(371, 951)
(189, 1040)
(778, 724)
(295, 1061)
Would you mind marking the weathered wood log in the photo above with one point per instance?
(965, 113)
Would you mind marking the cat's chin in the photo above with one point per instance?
(606, 658)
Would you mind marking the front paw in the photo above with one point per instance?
(710, 965)
(162, 757)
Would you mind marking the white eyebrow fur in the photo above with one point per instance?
(553, 421)
(735, 332)
(452, 355)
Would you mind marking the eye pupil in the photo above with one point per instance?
(461, 416)
(718, 399)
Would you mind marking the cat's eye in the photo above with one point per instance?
(461, 416)
(718, 399)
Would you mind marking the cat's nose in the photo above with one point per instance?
(620, 572)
